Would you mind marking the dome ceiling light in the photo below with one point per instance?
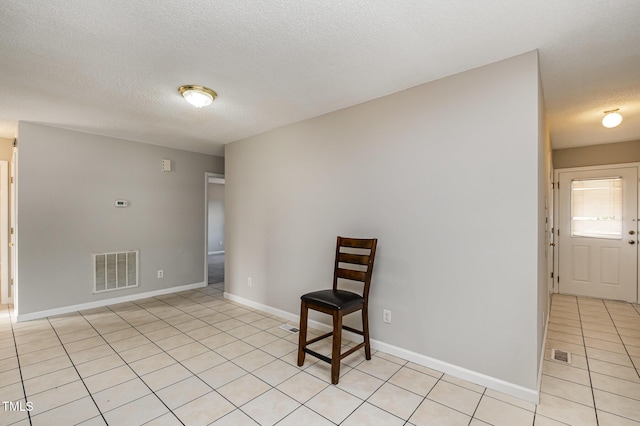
(198, 96)
(612, 118)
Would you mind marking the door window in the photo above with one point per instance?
(596, 208)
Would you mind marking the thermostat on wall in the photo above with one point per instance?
(122, 203)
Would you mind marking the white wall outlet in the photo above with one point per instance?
(220, 243)
(249, 281)
(386, 316)
(160, 273)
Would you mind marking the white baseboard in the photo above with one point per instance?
(526, 394)
(216, 252)
(105, 302)
(273, 311)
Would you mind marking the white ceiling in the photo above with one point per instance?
(113, 67)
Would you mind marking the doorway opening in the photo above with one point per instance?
(597, 232)
(215, 242)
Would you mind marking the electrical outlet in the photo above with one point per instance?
(220, 243)
(386, 316)
(160, 273)
(249, 282)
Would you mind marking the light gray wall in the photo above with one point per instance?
(446, 175)
(545, 223)
(67, 184)
(596, 155)
(216, 216)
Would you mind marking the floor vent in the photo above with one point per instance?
(115, 271)
(561, 356)
(289, 328)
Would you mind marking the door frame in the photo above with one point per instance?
(556, 217)
(4, 233)
(207, 176)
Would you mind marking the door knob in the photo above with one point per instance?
(552, 244)
(632, 241)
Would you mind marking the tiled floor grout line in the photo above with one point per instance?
(196, 375)
(606, 308)
(549, 321)
(272, 387)
(179, 305)
(401, 365)
(15, 343)
(302, 404)
(421, 402)
(620, 337)
(275, 387)
(586, 360)
(637, 309)
(475, 410)
(250, 373)
(424, 398)
(176, 360)
(76, 369)
(127, 364)
(163, 351)
(551, 309)
(586, 356)
(622, 341)
(372, 393)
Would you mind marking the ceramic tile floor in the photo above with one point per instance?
(194, 358)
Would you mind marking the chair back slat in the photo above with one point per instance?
(362, 262)
(350, 274)
(357, 259)
(356, 242)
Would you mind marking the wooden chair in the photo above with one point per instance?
(350, 264)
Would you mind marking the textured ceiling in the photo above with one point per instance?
(113, 67)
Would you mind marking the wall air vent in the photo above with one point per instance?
(289, 328)
(561, 356)
(114, 271)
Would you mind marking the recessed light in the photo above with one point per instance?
(612, 118)
(198, 96)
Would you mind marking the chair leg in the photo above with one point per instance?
(365, 332)
(337, 345)
(302, 334)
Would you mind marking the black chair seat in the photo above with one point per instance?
(334, 299)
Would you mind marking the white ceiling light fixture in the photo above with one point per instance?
(198, 96)
(612, 118)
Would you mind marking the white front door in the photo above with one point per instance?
(598, 233)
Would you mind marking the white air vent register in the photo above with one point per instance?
(116, 270)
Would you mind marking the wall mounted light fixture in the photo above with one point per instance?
(612, 118)
(198, 96)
